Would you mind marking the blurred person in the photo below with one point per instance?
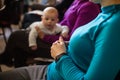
(97, 57)
(62, 7)
(12, 7)
(30, 17)
(48, 25)
(26, 4)
(79, 13)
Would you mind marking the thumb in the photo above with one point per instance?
(61, 39)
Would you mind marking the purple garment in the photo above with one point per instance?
(79, 13)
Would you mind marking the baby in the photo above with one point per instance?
(48, 25)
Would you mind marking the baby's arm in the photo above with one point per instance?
(40, 33)
(65, 31)
(64, 34)
(32, 38)
(34, 47)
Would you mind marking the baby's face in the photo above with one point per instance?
(49, 20)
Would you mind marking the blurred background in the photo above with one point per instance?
(19, 14)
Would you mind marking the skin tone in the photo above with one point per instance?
(103, 4)
(58, 47)
(49, 20)
(108, 2)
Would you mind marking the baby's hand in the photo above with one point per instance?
(65, 35)
(34, 47)
(37, 29)
(40, 33)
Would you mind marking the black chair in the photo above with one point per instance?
(29, 18)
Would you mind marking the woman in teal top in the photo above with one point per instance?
(94, 49)
(93, 52)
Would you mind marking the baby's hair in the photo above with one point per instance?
(50, 10)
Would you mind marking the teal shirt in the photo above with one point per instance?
(94, 50)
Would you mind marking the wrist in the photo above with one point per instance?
(59, 56)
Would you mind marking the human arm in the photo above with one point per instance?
(105, 63)
(58, 47)
(53, 38)
(33, 36)
(65, 34)
(75, 18)
(32, 40)
(65, 31)
(40, 32)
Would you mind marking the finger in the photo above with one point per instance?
(56, 42)
(61, 39)
(36, 27)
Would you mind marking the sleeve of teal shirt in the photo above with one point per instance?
(68, 70)
(105, 63)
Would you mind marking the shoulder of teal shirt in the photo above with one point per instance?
(107, 46)
(107, 55)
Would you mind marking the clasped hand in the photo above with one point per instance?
(58, 47)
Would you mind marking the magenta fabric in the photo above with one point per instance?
(79, 13)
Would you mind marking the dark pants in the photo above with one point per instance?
(17, 48)
(26, 73)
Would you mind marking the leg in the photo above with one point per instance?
(17, 74)
(37, 72)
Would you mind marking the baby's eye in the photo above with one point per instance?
(52, 19)
(46, 19)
